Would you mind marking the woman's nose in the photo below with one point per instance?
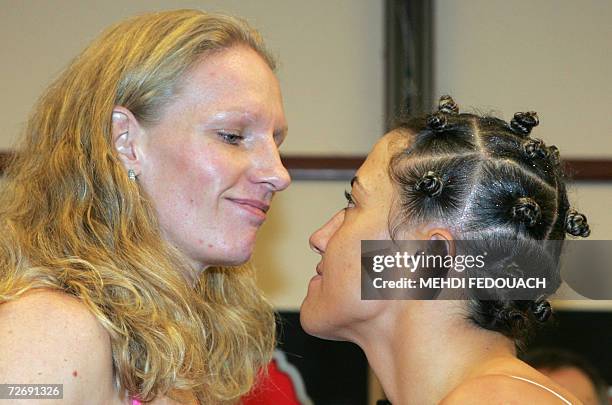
(319, 239)
(270, 169)
(279, 176)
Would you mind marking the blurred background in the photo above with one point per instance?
(345, 66)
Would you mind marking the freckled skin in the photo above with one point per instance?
(192, 173)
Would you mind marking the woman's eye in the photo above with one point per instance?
(350, 203)
(232, 139)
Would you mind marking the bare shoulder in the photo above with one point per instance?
(498, 389)
(52, 338)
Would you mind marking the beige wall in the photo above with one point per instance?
(330, 56)
(552, 56)
(283, 257)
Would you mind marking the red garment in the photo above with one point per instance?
(275, 389)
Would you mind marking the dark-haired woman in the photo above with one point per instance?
(446, 176)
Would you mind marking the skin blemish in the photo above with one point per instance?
(210, 245)
(74, 373)
(200, 241)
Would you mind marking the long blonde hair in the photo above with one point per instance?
(71, 220)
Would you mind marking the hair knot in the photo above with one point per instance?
(553, 152)
(447, 105)
(535, 149)
(436, 121)
(430, 184)
(523, 122)
(541, 310)
(576, 224)
(527, 211)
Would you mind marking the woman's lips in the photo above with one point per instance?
(255, 207)
(319, 274)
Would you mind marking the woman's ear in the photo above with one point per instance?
(444, 240)
(127, 138)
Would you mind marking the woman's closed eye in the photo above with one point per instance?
(230, 138)
(350, 202)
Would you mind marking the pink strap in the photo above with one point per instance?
(136, 402)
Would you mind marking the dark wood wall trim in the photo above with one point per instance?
(589, 169)
(344, 167)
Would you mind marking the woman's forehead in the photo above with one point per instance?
(399, 139)
(373, 174)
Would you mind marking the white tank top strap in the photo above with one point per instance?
(541, 386)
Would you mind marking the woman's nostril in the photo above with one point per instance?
(315, 244)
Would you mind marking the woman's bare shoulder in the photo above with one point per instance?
(497, 388)
(50, 337)
(36, 296)
(49, 310)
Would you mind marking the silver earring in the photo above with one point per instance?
(131, 174)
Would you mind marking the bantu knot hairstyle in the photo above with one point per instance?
(488, 180)
(535, 149)
(541, 310)
(447, 105)
(430, 184)
(527, 211)
(553, 152)
(523, 122)
(576, 224)
(436, 121)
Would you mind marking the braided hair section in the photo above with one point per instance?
(488, 180)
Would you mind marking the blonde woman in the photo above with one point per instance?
(145, 172)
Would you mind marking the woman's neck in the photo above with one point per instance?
(427, 348)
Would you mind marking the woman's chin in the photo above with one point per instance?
(312, 328)
(227, 257)
(314, 323)
(238, 258)
(306, 318)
